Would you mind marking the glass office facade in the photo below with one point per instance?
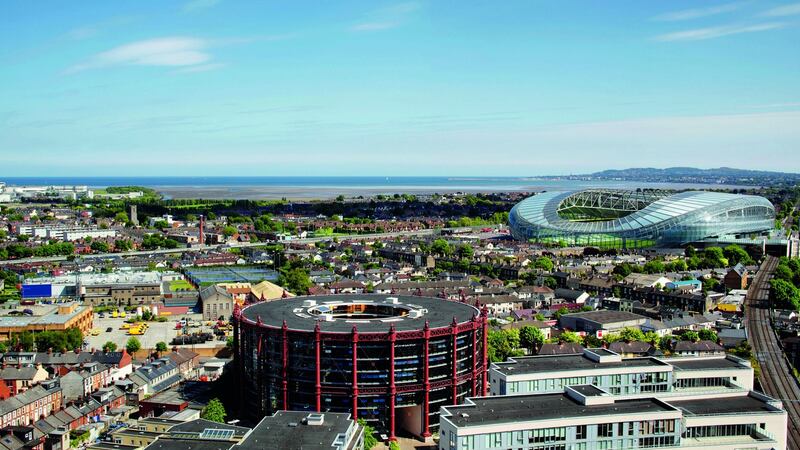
(633, 219)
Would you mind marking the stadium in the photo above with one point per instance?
(392, 361)
(642, 218)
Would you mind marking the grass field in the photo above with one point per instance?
(180, 285)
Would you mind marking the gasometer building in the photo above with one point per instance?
(641, 218)
(391, 360)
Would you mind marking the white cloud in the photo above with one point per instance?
(169, 51)
(94, 29)
(373, 26)
(791, 9)
(200, 68)
(776, 105)
(696, 13)
(196, 5)
(699, 34)
(387, 18)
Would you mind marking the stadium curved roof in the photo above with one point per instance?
(658, 217)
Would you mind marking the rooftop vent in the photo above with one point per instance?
(315, 419)
(309, 303)
(392, 300)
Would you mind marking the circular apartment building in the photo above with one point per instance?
(641, 218)
(391, 360)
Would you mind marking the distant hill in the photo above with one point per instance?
(721, 175)
(692, 172)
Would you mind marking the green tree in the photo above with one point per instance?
(679, 265)
(214, 411)
(784, 295)
(629, 334)
(736, 254)
(531, 337)
(544, 263)
(710, 284)
(121, 217)
(714, 257)
(441, 247)
(665, 343)
(708, 335)
(560, 312)
(783, 272)
(109, 347)
(743, 350)
(570, 337)
(369, 435)
(623, 270)
(100, 246)
(24, 341)
(161, 347)
(653, 266)
(123, 245)
(691, 336)
(133, 345)
(296, 280)
(465, 251)
(394, 445)
(503, 344)
(229, 231)
(652, 338)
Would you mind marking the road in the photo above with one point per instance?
(426, 232)
(776, 376)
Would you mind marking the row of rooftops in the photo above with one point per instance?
(592, 359)
(282, 430)
(579, 402)
(120, 358)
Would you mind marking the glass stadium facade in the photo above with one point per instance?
(634, 219)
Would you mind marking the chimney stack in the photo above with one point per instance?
(202, 238)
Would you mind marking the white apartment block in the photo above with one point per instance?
(65, 233)
(585, 417)
(677, 377)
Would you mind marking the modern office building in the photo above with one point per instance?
(48, 317)
(641, 218)
(585, 417)
(392, 361)
(677, 377)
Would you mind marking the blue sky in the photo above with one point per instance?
(223, 87)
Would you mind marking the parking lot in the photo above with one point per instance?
(157, 332)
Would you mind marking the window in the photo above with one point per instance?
(580, 432)
(605, 430)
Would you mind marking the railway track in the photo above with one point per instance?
(776, 377)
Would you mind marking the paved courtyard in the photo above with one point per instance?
(157, 332)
